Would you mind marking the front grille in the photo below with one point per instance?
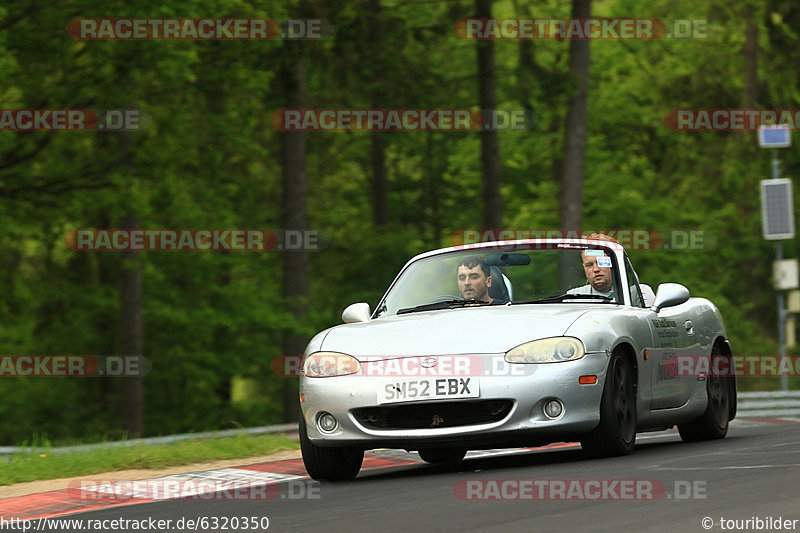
(433, 415)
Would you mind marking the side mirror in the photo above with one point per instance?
(356, 313)
(669, 295)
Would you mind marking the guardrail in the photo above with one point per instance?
(769, 404)
(168, 439)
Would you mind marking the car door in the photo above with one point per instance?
(673, 336)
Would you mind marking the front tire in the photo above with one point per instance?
(713, 423)
(328, 464)
(442, 456)
(616, 433)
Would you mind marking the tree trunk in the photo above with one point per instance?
(293, 216)
(525, 80)
(750, 93)
(490, 146)
(132, 338)
(434, 180)
(575, 131)
(380, 204)
(379, 185)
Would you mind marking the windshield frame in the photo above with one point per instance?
(614, 250)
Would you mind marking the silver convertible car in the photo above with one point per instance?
(513, 344)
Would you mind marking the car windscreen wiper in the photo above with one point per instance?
(447, 304)
(562, 297)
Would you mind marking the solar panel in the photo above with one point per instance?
(777, 213)
(774, 136)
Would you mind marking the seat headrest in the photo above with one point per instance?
(498, 290)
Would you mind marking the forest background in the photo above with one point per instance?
(596, 154)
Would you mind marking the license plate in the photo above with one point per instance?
(410, 390)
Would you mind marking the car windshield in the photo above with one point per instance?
(530, 274)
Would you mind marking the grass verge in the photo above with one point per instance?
(46, 464)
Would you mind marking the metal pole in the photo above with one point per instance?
(781, 308)
(776, 169)
(781, 322)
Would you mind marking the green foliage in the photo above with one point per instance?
(209, 157)
(44, 464)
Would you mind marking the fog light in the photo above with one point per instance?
(326, 422)
(553, 409)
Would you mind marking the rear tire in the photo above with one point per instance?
(616, 433)
(328, 464)
(713, 423)
(442, 456)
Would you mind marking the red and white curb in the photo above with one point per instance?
(255, 481)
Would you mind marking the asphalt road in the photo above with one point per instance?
(754, 472)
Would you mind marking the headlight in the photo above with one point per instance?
(552, 350)
(329, 364)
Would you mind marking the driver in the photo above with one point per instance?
(474, 279)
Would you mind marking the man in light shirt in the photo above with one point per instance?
(599, 278)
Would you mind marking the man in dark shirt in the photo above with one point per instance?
(474, 279)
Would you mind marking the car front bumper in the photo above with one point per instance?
(508, 411)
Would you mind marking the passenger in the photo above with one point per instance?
(599, 279)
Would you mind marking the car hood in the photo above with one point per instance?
(494, 329)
